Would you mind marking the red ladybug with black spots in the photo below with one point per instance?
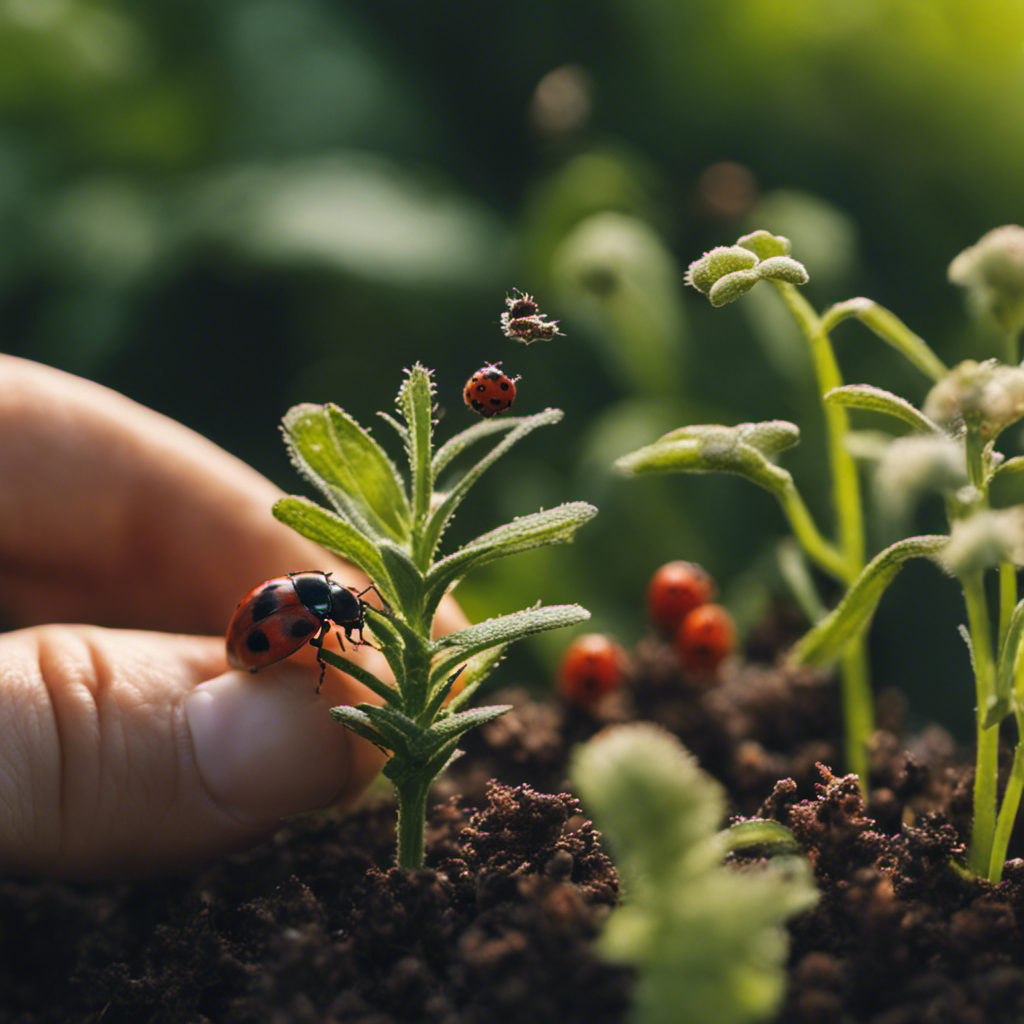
(489, 391)
(276, 618)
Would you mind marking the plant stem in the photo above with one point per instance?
(818, 549)
(858, 710)
(1007, 598)
(412, 815)
(987, 762)
(858, 706)
(845, 484)
(1008, 810)
(1011, 347)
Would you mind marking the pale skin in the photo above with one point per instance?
(130, 747)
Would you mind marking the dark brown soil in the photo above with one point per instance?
(315, 926)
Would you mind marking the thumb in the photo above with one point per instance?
(131, 753)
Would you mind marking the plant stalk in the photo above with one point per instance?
(987, 761)
(1008, 809)
(412, 814)
(858, 704)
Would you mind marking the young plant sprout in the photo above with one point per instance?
(707, 941)
(391, 529)
(950, 449)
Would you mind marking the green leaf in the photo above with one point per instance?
(891, 330)
(464, 643)
(450, 501)
(764, 245)
(1008, 667)
(866, 396)
(406, 578)
(340, 458)
(371, 722)
(757, 832)
(712, 448)
(553, 526)
(333, 533)
(452, 726)
(362, 675)
(416, 403)
(827, 641)
(357, 720)
(476, 671)
(454, 446)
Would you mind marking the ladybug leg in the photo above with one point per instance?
(358, 642)
(366, 590)
(318, 642)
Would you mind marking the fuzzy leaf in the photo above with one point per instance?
(866, 396)
(333, 533)
(337, 455)
(453, 649)
(764, 245)
(362, 675)
(475, 672)
(891, 330)
(357, 720)
(451, 726)
(1007, 669)
(826, 641)
(706, 941)
(378, 725)
(783, 268)
(710, 448)
(450, 501)
(416, 403)
(462, 440)
(553, 526)
(406, 578)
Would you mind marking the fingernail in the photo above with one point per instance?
(265, 745)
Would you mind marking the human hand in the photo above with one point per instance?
(128, 751)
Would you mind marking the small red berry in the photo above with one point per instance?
(674, 591)
(705, 637)
(592, 666)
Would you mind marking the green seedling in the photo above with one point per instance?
(707, 940)
(391, 529)
(947, 447)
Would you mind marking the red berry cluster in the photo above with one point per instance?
(679, 605)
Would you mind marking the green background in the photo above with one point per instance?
(224, 209)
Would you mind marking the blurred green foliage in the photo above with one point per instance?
(224, 209)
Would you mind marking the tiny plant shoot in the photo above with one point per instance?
(945, 448)
(390, 528)
(707, 940)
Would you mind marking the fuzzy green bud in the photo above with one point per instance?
(992, 271)
(985, 539)
(987, 397)
(764, 245)
(729, 271)
(718, 263)
(914, 466)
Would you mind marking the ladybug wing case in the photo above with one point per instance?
(252, 645)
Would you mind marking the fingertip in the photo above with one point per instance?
(266, 746)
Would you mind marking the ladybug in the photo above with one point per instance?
(592, 666)
(704, 639)
(674, 591)
(489, 391)
(280, 615)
